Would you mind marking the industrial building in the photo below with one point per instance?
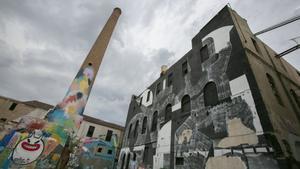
(229, 102)
(104, 139)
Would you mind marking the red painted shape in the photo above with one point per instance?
(30, 147)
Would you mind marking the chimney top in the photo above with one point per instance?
(118, 10)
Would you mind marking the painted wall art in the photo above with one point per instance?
(214, 122)
(37, 143)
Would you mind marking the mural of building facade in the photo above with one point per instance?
(206, 110)
(97, 153)
(102, 130)
(39, 143)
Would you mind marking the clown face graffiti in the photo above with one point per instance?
(29, 149)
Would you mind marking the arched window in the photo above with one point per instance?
(144, 126)
(274, 89)
(168, 112)
(154, 121)
(186, 104)
(296, 98)
(123, 161)
(210, 94)
(136, 128)
(128, 160)
(129, 131)
(134, 156)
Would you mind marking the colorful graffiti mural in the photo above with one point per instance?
(28, 144)
(94, 153)
(38, 143)
(68, 112)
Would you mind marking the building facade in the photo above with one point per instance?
(12, 111)
(103, 139)
(227, 103)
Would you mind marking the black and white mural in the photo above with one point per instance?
(198, 115)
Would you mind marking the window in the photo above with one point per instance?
(141, 101)
(145, 157)
(90, 131)
(99, 150)
(136, 129)
(154, 122)
(204, 53)
(170, 79)
(144, 127)
(128, 159)
(3, 119)
(129, 131)
(256, 45)
(13, 106)
(158, 88)
(168, 112)
(185, 104)
(179, 160)
(109, 152)
(148, 95)
(123, 161)
(210, 94)
(184, 68)
(108, 135)
(296, 98)
(274, 89)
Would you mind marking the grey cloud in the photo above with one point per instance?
(7, 55)
(59, 34)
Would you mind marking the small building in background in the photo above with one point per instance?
(12, 110)
(102, 142)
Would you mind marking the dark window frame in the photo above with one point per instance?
(204, 55)
(144, 125)
(184, 68)
(168, 112)
(141, 101)
(123, 161)
(99, 150)
(108, 135)
(148, 95)
(129, 131)
(186, 104)
(145, 154)
(210, 94)
(158, 88)
(154, 121)
(13, 106)
(170, 79)
(179, 161)
(136, 128)
(90, 131)
(128, 160)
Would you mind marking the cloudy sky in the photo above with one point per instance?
(43, 43)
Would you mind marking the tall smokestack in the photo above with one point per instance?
(68, 113)
(96, 53)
